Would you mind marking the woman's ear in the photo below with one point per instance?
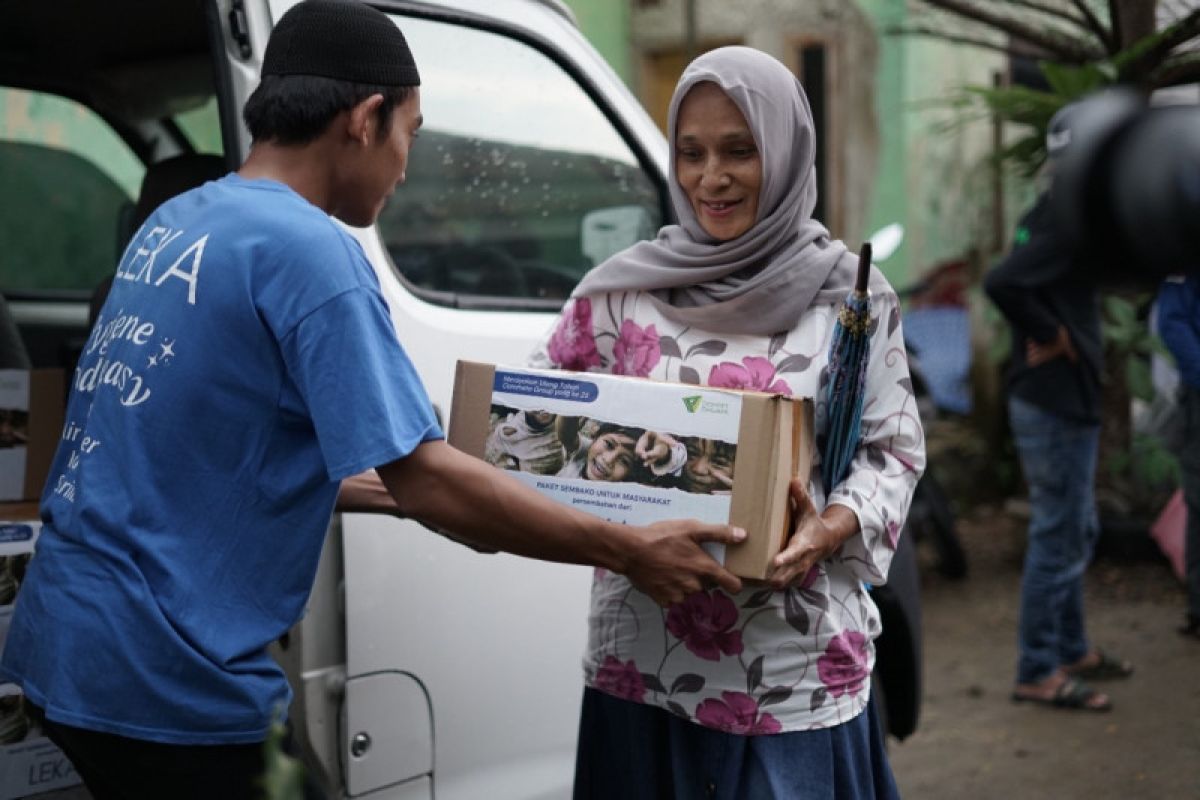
(361, 122)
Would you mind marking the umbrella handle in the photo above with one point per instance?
(864, 269)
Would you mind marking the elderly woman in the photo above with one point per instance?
(764, 694)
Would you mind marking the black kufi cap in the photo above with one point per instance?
(341, 39)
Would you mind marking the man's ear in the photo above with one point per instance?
(361, 124)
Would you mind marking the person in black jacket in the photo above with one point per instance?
(1054, 397)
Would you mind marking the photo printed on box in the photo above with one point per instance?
(636, 452)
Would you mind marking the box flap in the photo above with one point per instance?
(756, 470)
(778, 432)
(471, 406)
(804, 442)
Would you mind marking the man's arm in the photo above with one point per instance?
(365, 493)
(451, 490)
(1038, 353)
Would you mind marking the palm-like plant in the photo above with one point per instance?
(1080, 46)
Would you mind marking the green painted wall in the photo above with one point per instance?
(933, 174)
(605, 23)
(889, 201)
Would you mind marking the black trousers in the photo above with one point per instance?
(119, 768)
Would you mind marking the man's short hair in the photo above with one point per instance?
(325, 57)
(296, 109)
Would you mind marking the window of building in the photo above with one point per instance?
(814, 60)
(813, 76)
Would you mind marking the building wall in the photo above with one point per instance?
(948, 177)
(605, 23)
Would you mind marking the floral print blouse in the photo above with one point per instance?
(760, 661)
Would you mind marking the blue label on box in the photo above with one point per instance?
(576, 391)
(16, 533)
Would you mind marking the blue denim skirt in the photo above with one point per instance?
(632, 751)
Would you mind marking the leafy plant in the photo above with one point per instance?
(1080, 49)
(1146, 472)
(1129, 339)
(1033, 109)
(1118, 36)
(1138, 467)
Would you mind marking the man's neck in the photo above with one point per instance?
(303, 168)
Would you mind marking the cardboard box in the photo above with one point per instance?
(31, 422)
(29, 762)
(726, 455)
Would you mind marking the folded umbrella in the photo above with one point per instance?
(849, 351)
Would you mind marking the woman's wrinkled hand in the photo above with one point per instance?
(815, 538)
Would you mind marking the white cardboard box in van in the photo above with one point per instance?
(768, 436)
(29, 762)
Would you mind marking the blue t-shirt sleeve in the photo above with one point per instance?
(366, 401)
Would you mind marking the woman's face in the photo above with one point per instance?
(709, 467)
(610, 458)
(717, 162)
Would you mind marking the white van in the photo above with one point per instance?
(420, 664)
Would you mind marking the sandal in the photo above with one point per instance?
(1106, 668)
(1070, 694)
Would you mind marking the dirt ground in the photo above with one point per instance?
(973, 742)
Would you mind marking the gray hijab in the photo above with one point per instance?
(762, 281)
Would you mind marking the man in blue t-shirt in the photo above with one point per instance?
(243, 371)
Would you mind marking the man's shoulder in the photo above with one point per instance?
(287, 226)
(273, 205)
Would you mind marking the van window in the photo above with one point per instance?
(201, 126)
(518, 183)
(67, 176)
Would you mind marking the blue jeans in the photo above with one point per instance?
(1058, 457)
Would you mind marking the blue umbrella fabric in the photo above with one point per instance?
(849, 350)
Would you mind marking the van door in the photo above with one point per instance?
(533, 165)
(484, 242)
